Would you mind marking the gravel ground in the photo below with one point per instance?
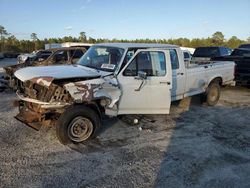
(195, 146)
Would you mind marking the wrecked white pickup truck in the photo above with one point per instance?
(113, 79)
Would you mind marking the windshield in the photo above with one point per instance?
(102, 58)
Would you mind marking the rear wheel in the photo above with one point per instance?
(212, 94)
(77, 124)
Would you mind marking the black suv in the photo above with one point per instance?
(247, 46)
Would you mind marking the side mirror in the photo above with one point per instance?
(142, 75)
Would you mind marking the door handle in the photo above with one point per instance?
(180, 73)
(168, 83)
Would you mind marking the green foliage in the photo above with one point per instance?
(218, 38)
(10, 43)
(83, 37)
(33, 36)
(234, 42)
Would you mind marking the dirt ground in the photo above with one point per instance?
(195, 146)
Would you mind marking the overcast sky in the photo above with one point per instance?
(126, 19)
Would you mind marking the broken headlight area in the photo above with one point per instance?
(45, 91)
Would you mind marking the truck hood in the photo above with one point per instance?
(56, 72)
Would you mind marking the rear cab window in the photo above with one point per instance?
(174, 59)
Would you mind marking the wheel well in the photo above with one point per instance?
(94, 106)
(216, 80)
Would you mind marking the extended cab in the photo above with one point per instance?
(113, 79)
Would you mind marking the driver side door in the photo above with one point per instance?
(151, 94)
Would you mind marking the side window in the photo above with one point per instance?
(153, 63)
(174, 59)
(77, 53)
(61, 56)
(223, 51)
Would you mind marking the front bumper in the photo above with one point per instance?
(35, 117)
(35, 113)
(30, 118)
(43, 105)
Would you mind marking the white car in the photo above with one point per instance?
(38, 55)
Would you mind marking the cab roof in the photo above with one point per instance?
(137, 45)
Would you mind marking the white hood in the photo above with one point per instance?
(56, 72)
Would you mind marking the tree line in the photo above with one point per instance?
(10, 43)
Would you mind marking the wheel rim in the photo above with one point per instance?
(213, 94)
(80, 129)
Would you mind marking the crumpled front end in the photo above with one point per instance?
(42, 101)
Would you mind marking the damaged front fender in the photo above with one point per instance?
(101, 88)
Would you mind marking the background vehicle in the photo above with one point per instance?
(11, 54)
(39, 55)
(67, 44)
(191, 50)
(59, 56)
(203, 54)
(113, 79)
(244, 46)
(241, 57)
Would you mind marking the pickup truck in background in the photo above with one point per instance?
(113, 79)
(247, 46)
(204, 54)
(241, 57)
(67, 55)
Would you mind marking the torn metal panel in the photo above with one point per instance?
(101, 88)
(110, 92)
(43, 81)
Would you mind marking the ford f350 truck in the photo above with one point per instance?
(113, 79)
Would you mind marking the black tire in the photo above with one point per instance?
(212, 94)
(77, 124)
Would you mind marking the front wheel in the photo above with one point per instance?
(77, 124)
(212, 94)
